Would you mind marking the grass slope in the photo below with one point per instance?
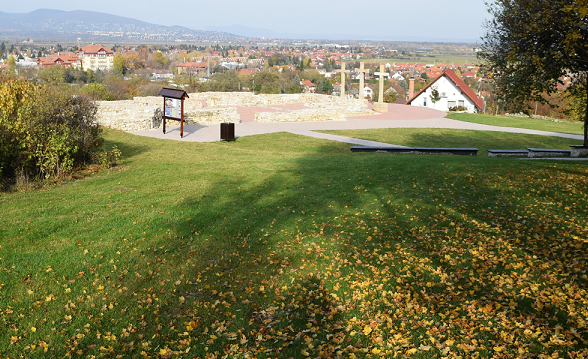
(576, 128)
(439, 137)
(286, 246)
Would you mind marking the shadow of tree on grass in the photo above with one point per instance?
(325, 253)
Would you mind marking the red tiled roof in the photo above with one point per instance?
(94, 49)
(459, 83)
(307, 83)
(64, 59)
(193, 64)
(247, 71)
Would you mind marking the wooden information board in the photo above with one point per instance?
(173, 106)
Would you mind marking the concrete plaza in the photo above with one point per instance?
(398, 116)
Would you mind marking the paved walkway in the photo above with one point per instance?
(398, 116)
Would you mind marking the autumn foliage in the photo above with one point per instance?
(44, 131)
(531, 46)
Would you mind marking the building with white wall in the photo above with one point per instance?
(453, 92)
(96, 57)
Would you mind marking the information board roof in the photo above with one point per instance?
(173, 93)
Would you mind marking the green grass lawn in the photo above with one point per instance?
(280, 246)
(521, 122)
(439, 137)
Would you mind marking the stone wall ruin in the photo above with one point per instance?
(210, 108)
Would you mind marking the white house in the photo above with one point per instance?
(96, 57)
(397, 76)
(453, 92)
(368, 92)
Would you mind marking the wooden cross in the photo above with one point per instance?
(381, 74)
(343, 72)
(362, 71)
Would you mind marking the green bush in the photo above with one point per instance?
(45, 131)
(97, 92)
(106, 159)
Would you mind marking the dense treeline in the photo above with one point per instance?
(266, 82)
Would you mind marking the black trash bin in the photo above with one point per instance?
(227, 131)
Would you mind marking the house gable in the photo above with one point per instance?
(454, 92)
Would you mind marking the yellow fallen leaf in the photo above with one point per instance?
(304, 352)
(367, 330)
(33, 329)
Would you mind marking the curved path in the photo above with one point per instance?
(398, 116)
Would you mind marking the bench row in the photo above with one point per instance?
(417, 150)
(576, 151)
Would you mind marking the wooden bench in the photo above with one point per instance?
(417, 150)
(507, 153)
(547, 152)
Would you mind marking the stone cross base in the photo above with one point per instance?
(380, 107)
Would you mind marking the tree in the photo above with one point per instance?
(435, 96)
(576, 101)
(326, 87)
(225, 82)
(119, 64)
(11, 65)
(96, 92)
(134, 62)
(159, 60)
(267, 82)
(531, 45)
(54, 74)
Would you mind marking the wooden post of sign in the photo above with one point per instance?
(164, 115)
(182, 121)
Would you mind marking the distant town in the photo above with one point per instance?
(119, 72)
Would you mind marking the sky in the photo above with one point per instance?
(433, 19)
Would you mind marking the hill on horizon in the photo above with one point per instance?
(91, 25)
(56, 25)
